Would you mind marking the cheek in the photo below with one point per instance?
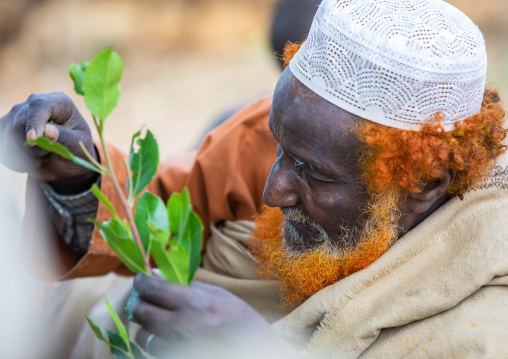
(335, 204)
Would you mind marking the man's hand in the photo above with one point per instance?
(201, 321)
(54, 116)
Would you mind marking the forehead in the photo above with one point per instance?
(305, 122)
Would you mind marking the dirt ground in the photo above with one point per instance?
(186, 61)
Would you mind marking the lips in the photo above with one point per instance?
(302, 228)
(305, 242)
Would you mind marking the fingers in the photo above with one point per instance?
(151, 343)
(17, 133)
(39, 112)
(32, 120)
(155, 319)
(55, 106)
(68, 137)
(160, 292)
(54, 116)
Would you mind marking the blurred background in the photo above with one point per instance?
(187, 64)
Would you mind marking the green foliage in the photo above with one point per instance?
(119, 238)
(179, 208)
(159, 235)
(101, 83)
(130, 302)
(186, 227)
(76, 72)
(137, 353)
(101, 197)
(122, 331)
(119, 344)
(171, 233)
(143, 161)
(55, 147)
(194, 243)
(97, 331)
(173, 262)
(150, 210)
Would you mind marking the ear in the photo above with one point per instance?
(432, 192)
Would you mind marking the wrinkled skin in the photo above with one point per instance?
(201, 321)
(316, 167)
(315, 172)
(30, 120)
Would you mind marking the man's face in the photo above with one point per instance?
(314, 180)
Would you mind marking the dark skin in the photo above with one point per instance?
(315, 172)
(316, 167)
(190, 322)
(31, 120)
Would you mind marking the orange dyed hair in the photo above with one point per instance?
(407, 159)
(401, 159)
(290, 50)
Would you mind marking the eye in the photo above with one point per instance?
(298, 163)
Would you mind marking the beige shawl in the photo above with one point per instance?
(441, 291)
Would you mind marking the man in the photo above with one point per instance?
(387, 230)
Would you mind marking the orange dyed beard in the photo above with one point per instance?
(303, 274)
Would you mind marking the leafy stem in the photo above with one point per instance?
(130, 188)
(169, 233)
(93, 160)
(125, 203)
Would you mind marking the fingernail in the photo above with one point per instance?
(31, 135)
(51, 132)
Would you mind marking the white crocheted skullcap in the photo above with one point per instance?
(395, 62)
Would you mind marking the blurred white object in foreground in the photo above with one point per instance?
(21, 332)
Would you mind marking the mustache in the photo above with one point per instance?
(292, 239)
(346, 241)
(297, 215)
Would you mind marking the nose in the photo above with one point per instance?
(281, 188)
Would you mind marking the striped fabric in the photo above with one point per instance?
(70, 213)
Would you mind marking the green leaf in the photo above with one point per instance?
(116, 343)
(119, 238)
(97, 331)
(150, 209)
(76, 72)
(173, 263)
(174, 210)
(55, 147)
(117, 346)
(158, 235)
(83, 65)
(130, 302)
(194, 241)
(138, 354)
(143, 161)
(179, 209)
(186, 211)
(101, 83)
(122, 331)
(101, 197)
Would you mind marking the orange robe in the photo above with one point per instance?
(225, 177)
